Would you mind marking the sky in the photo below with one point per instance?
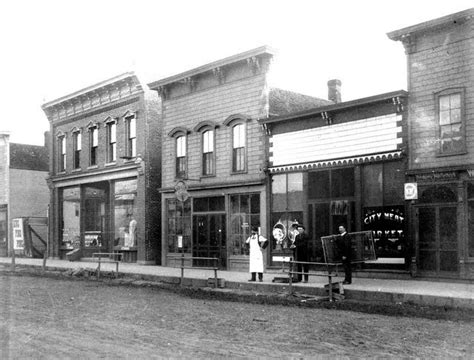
(52, 48)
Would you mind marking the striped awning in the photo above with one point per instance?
(355, 160)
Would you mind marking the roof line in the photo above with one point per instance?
(207, 67)
(88, 89)
(334, 107)
(435, 23)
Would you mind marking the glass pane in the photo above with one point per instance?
(455, 116)
(428, 260)
(444, 117)
(239, 136)
(372, 178)
(448, 228)
(208, 141)
(295, 191)
(217, 203)
(95, 137)
(393, 180)
(255, 204)
(234, 204)
(181, 146)
(244, 204)
(113, 133)
(201, 204)
(455, 101)
(318, 185)
(342, 182)
(444, 103)
(70, 221)
(132, 127)
(427, 228)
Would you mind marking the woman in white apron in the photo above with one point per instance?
(257, 244)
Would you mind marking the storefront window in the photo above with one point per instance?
(287, 208)
(70, 217)
(245, 213)
(179, 225)
(95, 200)
(125, 216)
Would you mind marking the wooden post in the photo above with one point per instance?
(182, 269)
(290, 279)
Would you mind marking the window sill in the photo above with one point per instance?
(76, 170)
(93, 167)
(113, 163)
(238, 172)
(464, 152)
(208, 176)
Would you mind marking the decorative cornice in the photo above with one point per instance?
(356, 160)
(326, 117)
(398, 103)
(409, 43)
(93, 97)
(254, 63)
(219, 73)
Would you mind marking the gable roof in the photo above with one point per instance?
(284, 102)
(28, 157)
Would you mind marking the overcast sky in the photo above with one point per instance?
(53, 48)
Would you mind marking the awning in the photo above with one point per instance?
(355, 160)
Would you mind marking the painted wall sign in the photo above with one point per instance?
(18, 234)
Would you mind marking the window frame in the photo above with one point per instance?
(130, 137)
(181, 174)
(234, 169)
(77, 148)
(93, 149)
(111, 126)
(62, 152)
(438, 96)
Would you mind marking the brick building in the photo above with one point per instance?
(440, 61)
(105, 170)
(23, 186)
(341, 164)
(214, 158)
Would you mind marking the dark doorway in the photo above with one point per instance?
(96, 218)
(209, 239)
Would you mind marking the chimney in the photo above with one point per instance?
(334, 90)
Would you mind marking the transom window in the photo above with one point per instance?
(451, 132)
(181, 156)
(208, 152)
(238, 148)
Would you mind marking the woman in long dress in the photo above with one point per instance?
(257, 244)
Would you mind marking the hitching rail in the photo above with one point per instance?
(114, 258)
(214, 268)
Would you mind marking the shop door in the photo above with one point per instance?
(437, 240)
(209, 239)
(95, 220)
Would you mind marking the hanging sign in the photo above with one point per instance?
(411, 191)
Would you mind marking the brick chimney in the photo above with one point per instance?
(334, 90)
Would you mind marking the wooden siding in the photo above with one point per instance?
(362, 137)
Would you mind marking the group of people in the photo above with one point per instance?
(300, 239)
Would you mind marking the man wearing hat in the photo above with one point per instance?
(257, 244)
(301, 243)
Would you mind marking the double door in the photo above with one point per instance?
(209, 239)
(437, 240)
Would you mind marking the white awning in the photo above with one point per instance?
(355, 160)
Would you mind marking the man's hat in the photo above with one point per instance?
(301, 226)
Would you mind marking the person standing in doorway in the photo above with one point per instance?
(301, 243)
(346, 254)
(257, 244)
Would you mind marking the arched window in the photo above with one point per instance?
(61, 152)
(77, 145)
(208, 162)
(239, 148)
(181, 156)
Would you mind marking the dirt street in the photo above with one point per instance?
(45, 318)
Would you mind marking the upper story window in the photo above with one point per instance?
(450, 119)
(208, 166)
(77, 144)
(181, 156)
(111, 141)
(131, 134)
(62, 153)
(238, 148)
(94, 144)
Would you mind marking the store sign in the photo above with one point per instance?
(388, 229)
(18, 234)
(411, 191)
(181, 191)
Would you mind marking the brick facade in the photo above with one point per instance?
(116, 100)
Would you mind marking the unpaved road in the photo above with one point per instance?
(44, 318)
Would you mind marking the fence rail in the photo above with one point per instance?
(182, 266)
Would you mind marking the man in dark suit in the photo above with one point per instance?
(301, 243)
(346, 252)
